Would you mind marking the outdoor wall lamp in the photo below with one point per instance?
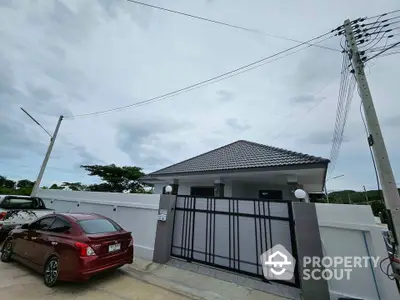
(301, 194)
(168, 189)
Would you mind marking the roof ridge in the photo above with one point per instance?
(197, 156)
(286, 150)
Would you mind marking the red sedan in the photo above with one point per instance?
(69, 247)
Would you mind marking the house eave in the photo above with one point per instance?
(157, 177)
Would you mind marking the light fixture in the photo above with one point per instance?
(300, 194)
(168, 189)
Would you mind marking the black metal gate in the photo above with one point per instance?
(232, 233)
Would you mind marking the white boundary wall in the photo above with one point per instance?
(351, 230)
(134, 212)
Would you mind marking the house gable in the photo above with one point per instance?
(240, 155)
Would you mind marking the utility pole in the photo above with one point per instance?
(365, 194)
(349, 198)
(376, 142)
(46, 158)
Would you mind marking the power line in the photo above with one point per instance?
(388, 48)
(344, 101)
(214, 79)
(307, 112)
(227, 24)
(384, 14)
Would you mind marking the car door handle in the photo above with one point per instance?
(54, 243)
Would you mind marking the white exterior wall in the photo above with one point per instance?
(251, 190)
(351, 231)
(232, 189)
(134, 212)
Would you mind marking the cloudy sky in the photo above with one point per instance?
(77, 56)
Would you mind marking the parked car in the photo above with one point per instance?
(19, 210)
(69, 246)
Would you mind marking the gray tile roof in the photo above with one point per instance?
(240, 155)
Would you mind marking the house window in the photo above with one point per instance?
(270, 194)
(202, 191)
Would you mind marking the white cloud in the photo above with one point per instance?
(63, 57)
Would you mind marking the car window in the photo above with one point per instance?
(22, 203)
(42, 224)
(98, 226)
(60, 226)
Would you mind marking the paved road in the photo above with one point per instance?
(18, 282)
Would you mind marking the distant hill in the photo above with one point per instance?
(372, 197)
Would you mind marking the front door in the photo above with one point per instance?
(270, 194)
(37, 237)
(21, 244)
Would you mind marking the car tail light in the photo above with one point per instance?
(131, 242)
(84, 249)
(3, 215)
(395, 259)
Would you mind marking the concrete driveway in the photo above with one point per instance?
(18, 282)
(141, 280)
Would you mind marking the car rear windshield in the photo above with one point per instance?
(10, 202)
(98, 226)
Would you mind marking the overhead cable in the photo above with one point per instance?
(214, 79)
(228, 25)
(383, 51)
(384, 14)
(344, 101)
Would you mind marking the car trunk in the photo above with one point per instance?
(110, 243)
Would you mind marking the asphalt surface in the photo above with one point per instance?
(19, 282)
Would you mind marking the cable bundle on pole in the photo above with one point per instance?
(346, 92)
(377, 35)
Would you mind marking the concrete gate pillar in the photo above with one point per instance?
(175, 187)
(219, 189)
(164, 232)
(308, 242)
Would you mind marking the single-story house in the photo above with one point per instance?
(243, 169)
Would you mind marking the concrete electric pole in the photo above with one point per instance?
(48, 153)
(376, 142)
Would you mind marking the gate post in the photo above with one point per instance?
(164, 231)
(308, 241)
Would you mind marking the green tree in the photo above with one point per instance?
(75, 186)
(116, 179)
(7, 183)
(25, 183)
(54, 186)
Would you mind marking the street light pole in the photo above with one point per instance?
(326, 191)
(48, 153)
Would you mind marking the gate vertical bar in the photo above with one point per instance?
(261, 237)
(238, 233)
(269, 224)
(229, 235)
(205, 254)
(189, 231)
(294, 245)
(255, 231)
(265, 228)
(234, 233)
(193, 226)
(214, 230)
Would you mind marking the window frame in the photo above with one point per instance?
(115, 225)
(40, 220)
(192, 188)
(68, 224)
(4, 204)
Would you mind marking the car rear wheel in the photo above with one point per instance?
(51, 271)
(7, 251)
